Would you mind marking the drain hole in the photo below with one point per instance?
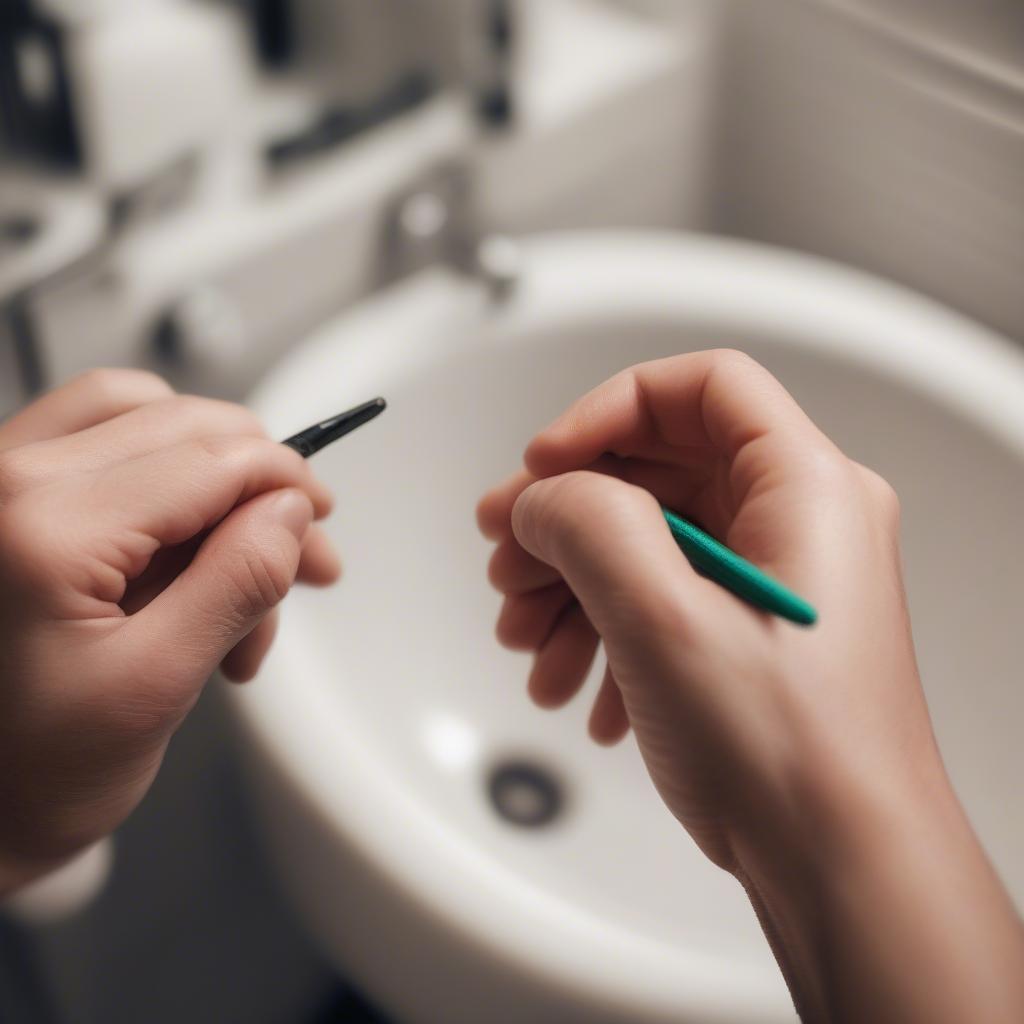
(525, 794)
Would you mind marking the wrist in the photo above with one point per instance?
(879, 902)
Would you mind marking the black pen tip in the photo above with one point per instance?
(368, 409)
(365, 413)
(310, 441)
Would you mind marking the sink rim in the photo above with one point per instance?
(958, 362)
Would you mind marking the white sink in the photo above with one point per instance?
(386, 703)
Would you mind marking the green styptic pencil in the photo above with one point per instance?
(735, 573)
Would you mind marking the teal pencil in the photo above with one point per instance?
(743, 578)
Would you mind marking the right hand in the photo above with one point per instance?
(782, 750)
(730, 705)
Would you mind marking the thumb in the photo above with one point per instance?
(609, 541)
(242, 570)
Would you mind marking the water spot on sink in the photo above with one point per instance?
(525, 793)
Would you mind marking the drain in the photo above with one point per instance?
(525, 794)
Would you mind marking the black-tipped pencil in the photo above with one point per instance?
(309, 441)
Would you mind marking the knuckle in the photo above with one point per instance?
(216, 416)
(727, 367)
(114, 384)
(827, 468)
(243, 458)
(260, 582)
(883, 495)
(734, 360)
(228, 450)
(246, 421)
(189, 407)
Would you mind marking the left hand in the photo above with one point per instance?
(145, 539)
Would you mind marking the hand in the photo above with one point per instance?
(583, 552)
(144, 540)
(797, 759)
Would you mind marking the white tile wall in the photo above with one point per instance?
(878, 148)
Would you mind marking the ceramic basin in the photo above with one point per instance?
(466, 857)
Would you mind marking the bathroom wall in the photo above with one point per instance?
(885, 133)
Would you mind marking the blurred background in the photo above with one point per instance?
(193, 186)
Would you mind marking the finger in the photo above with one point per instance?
(163, 567)
(679, 486)
(779, 479)
(241, 571)
(608, 540)
(319, 565)
(704, 497)
(609, 722)
(721, 399)
(562, 664)
(243, 661)
(512, 570)
(526, 620)
(658, 472)
(148, 428)
(171, 495)
(494, 512)
(87, 400)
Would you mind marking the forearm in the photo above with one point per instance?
(887, 909)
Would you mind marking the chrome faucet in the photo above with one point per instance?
(435, 221)
(130, 176)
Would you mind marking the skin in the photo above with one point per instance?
(145, 539)
(801, 761)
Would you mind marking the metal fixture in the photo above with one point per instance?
(48, 232)
(59, 233)
(524, 793)
(203, 329)
(434, 222)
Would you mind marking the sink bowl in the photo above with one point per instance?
(465, 857)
